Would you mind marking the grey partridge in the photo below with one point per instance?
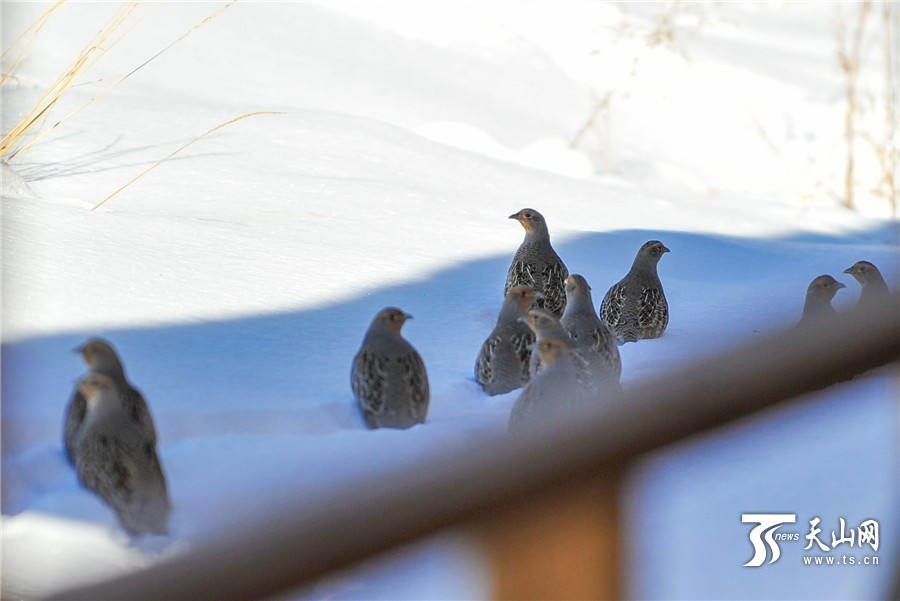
(554, 390)
(502, 363)
(635, 308)
(115, 459)
(388, 376)
(103, 359)
(536, 264)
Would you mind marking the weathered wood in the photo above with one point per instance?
(294, 544)
(560, 544)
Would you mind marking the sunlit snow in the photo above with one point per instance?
(238, 278)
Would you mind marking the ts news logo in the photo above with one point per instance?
(766, 530)
(765, 538)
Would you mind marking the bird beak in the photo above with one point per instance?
(513, 216)
(407, 316)
(78, 349)
(838, 285)
(666, 250)
(849, 270)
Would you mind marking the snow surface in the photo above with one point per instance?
(238, 278)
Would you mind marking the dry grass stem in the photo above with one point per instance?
(36, 26)
(850, 58)
(90, 54)
(160, 162)
(52, 96)
(890, 18)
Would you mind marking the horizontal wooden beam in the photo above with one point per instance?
(294, 544)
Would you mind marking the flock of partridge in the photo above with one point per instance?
(548, 340)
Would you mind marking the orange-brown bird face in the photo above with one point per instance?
(392, 318)
(94, 384)
(524, 295)
(575, 283)
(95, 349)
(529, 218)
(860, 270)
(825, 285)
(549, 350)
(538, 319)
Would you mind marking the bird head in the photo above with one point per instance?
(824, 287)
(653, 249)
(861, 270)
(96, 385)
(541, 321)
(530, 219)
(523, 296)
(550, 350)
(101, 357)
(392, 319)
(576, 283)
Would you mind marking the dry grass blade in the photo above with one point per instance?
(205, 21)
(63, 82)
(36, 26)
(200, 137)
(112, 27)
(125, 33)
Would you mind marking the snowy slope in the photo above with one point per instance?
(237, 280)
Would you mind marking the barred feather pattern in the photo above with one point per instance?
(611, 307)
(117, 462)
(129, 480)
(484, 365)
(542, 269)
(601, 343)
(390, 388)
(653, 313)
(502, 363)
(367, 380)
(632, 318)
(133, 404)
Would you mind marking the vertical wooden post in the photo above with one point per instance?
(559, 544)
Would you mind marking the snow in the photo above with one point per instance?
(238, 278)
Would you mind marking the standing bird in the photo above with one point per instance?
(554, 390)
(546, 326)
(502, 363)
(635, 308)
(873, 285)
(536, 264)
(818, 298)
(588, 333)
(388, 376)
(102, 359)
(116, 460)
(591, 370)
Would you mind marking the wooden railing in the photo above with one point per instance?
(550, 492)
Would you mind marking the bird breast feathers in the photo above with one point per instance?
(652, 307)
(375, 375)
